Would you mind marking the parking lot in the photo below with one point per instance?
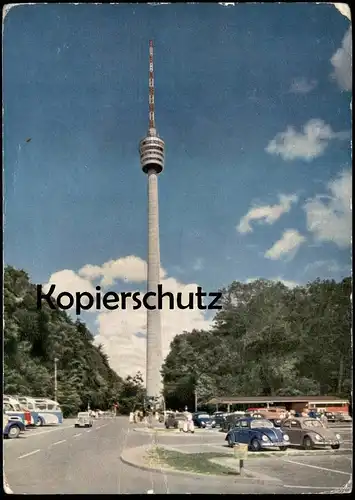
(296, 470)
(63, 460)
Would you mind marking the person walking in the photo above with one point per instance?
(324, 420)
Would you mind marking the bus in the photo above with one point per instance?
(30, 405)
(13, 409)
(49, 411)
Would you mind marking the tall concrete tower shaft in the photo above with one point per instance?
(151, 150)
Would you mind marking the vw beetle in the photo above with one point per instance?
(257, 433)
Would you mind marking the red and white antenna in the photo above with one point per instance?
(151, 90)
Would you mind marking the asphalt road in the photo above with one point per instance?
(66, 460)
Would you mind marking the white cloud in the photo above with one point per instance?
(306, 145)
(329, 217)
(267, 214)
(302, 86)
(129, 269)
(289, 242)
(342, 62)
(288, 283)
(117, 329)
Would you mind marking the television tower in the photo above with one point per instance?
(151, 150)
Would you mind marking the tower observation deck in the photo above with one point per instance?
(151, 150)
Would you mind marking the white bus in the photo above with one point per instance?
(49, 411)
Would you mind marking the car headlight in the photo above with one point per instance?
(265, 438)
(338, 436)
(213, 422)
(286, 437)
(317, 437)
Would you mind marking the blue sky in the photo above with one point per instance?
(229, 81)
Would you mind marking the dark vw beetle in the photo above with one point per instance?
(257, 433)
(203, 420)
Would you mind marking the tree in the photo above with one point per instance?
(267, 340)
(33, 338)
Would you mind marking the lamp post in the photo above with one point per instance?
(55, 379)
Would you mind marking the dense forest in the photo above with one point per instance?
(34, 338)
(267, 340)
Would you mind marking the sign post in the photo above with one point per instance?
(241, 454)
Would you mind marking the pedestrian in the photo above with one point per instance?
(324, 420)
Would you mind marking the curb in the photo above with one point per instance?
(174, 432)
(298, 453)
(145, 430)
(248, 475)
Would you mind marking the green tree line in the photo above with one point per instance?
(267, 340)
(33, 338)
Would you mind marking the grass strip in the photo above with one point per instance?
(192, 462)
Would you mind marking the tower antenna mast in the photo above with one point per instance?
(152, 129)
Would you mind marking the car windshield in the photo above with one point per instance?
(82, 415)
(312, 423)
(204, 415)
(261, 423)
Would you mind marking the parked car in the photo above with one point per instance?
(257, 433)
(342, 417)
(84, 419)
(11, 429)
(229, 422)
(310, 433)
(219, 417)
(203, 421)
(173, 419)
(330, 416)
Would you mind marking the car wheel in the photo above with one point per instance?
(335, 446)
(230, 442)
(255, 445)
(307, 443)
(283, 448)
(76, 425)
(39, 422)
(14, 432)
